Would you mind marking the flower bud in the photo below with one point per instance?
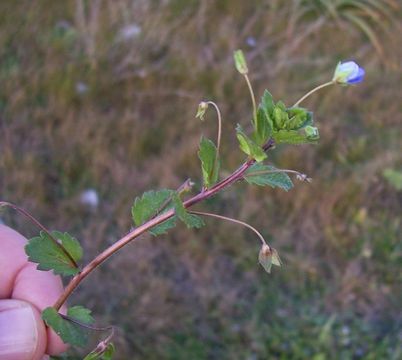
(202, 108)
(240, 62)
(348, 73)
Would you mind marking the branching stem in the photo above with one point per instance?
(135, 233)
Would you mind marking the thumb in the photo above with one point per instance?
(22, 331)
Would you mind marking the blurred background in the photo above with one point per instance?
(97, 105)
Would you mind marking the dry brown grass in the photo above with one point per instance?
(134, 129)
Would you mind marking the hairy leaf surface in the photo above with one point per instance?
(209, 161)
(49, 255)
(293, 137)
(148, 205)
(263, 175)
(248, 146)
(70, 332)
(191, 220)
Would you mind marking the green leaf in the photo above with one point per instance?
(263, 175)
(312, 133)
(106, 354)
(394, 177)
(263, 123)
(81, 314)
(280, 116)
(149, 205)
(240, 62)
(292, 137)
(267, 102)
(48, 255)
(191, 220)
(263, 127)
(70, 332)
(70, 243)
(162, 228)
(248, 146)
(268, 257)
(298, 118)
(209, 161)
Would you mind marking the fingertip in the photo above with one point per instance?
(55, 346)
(22, 332)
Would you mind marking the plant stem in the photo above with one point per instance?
(87, 326)
(313, 91)
(232, 220)
(218, 112)
(250, 88)
(218, 141)
(207, 193)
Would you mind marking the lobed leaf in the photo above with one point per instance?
(49, 255)
(149, 205)
(263, 127)
(248, 146)
(293, 137)
(263, 175)
(298, 118)
(191, 220)
(70, 332)
(280, 116)
(70, 243)
(209, 162)
(267, 102)
(163, 227)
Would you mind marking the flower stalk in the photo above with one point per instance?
(304, 97)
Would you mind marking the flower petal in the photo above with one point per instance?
(358, 78)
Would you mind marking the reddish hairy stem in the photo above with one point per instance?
(204, 194)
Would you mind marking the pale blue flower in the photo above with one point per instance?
(348, 73)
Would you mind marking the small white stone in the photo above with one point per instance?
(251, 41)
(130, 32)
(63, 25)
(90, 198)
(345, 330)
(81, 87)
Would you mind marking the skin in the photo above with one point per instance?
(22, 285)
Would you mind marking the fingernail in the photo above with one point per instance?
(18, 331)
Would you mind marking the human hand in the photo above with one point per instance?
(24, 293)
